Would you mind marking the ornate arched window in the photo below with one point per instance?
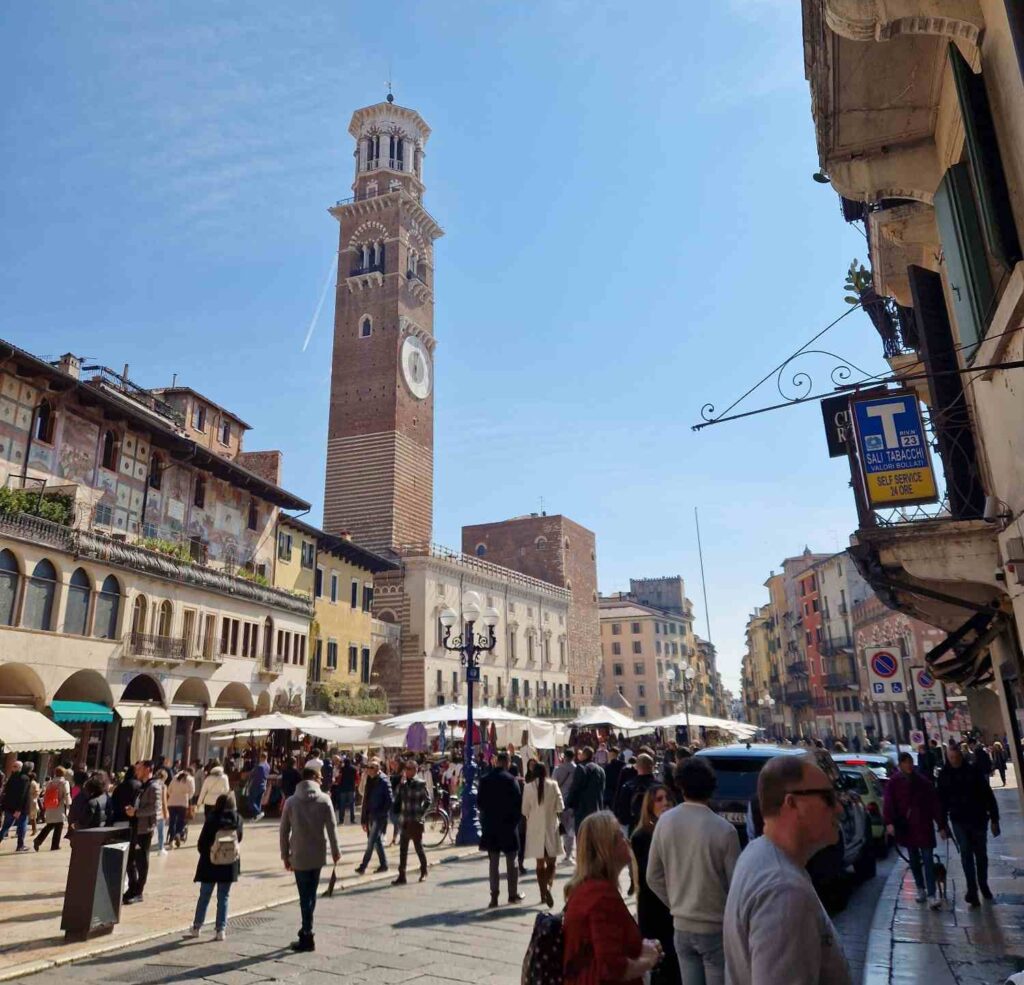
(139, 614)
(76, 609)
(40, 594)
(108, 608)
(45, 422)
(8, 587)
(163, 624)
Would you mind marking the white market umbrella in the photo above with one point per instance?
(741, 729)
(142, 736)
(454, 713)
(603, 715)
(362, 734)
(265, 723)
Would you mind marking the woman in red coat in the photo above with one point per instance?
(911, 811)
(602, 940)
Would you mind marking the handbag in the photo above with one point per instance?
(329, 891)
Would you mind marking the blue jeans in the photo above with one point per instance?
(255, 798)
(20, 826)
(205, 892)
(308, 881)
(375, 840)
(701, 958)
(161, 832)
(922, 858)
(346, 798)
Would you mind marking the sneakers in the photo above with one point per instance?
(192, 932)
(921, 896)
(220, 935)
(518, 898)
(934, 902)
(162, 853)
(259, 817)
(23, 848)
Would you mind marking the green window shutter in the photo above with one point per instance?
(986, 162)
(970, 283)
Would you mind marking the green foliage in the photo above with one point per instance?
(180, 552)
(858, 280)
(52, 507)
(347, 699)
(254, 577)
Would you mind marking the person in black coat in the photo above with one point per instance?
(91, 807)
(612, 771)
(586, 793)
(221, 823)
(500, 801)
(126, 793)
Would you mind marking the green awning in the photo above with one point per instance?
(81, 711)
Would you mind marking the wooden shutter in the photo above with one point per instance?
(970, 283)
(994, 206)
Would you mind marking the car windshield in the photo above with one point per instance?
(737, 776)
(859, 783)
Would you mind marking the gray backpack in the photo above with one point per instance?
(224, 850)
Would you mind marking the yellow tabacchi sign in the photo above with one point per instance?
(893, 450)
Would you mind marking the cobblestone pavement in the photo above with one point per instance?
(32, 893)
(956, 945)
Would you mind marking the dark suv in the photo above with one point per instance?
(735, 799)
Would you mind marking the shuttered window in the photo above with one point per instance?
(967, 270)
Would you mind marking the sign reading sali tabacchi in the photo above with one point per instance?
(893, 450)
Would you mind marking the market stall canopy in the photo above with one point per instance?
(741, 729)
(363, 734)
(128, 710)
(278, 720)
(454, 713)
(26, 730)
(81, 711)
(603, 715)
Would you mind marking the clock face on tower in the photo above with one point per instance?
(416, 367)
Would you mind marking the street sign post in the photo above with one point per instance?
(885, 673)
(927, 690)
(893, 450)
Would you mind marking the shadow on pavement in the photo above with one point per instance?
(477, 915)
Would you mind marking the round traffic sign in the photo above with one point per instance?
(884, 664)
(925, 679)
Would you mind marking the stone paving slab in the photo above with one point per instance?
(956, 945)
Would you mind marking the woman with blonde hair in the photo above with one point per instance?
(602, 940)
(542, 806)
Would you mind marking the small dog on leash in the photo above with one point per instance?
(940, 878)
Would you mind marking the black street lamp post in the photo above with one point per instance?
(682, 683)
(469, 646)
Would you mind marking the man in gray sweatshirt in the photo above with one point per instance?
(693, 853)
(776, 929)
(308, 817)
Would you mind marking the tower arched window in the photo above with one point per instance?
(40, 594)
(45, 421)
(108, 455)
(481, 550)
(76, 609)
(366, 327)
(541, 543)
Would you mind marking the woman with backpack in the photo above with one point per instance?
(542, 806)
(56, 801)
(219, 863)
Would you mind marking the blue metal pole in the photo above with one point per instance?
(469, 822)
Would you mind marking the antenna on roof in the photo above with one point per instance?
(703, 583)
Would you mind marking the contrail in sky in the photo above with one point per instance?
(320, 303)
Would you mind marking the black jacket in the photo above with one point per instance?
(125, 795)
(16, 790)
(586, 795)
(612, 772)
(966, 796)
(631, 798)
(290, 779)
(377, 799)
(206, 871)
(89, 812)
(500, 801)
(346, 779)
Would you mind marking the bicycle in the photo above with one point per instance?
(436, 825)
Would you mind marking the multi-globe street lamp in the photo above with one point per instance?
(469, 645)
(683, 683)
(768, 703)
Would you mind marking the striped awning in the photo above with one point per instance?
(26, 730)
(214, 715)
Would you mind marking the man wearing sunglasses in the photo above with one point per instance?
(776, 929)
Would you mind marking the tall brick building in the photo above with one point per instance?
(380, 440)
(556, 550)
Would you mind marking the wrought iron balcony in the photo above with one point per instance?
(797, 695)
(373, 268)
(271, 666)
(146, 646)
(840, 681)
(798, 668)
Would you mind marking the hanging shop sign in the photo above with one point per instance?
(885, 673)
(835, 412)
(927, 690)
(893, 450)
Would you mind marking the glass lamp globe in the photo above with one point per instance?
(448, 617)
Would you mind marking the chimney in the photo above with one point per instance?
(345, 535)
(70, 363)
(124, 375)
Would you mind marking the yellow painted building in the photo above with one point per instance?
(338, 574)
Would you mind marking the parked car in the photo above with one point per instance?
(736, 769)
(863, 780)
(881, 765)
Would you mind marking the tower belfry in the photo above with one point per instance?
(380, 439)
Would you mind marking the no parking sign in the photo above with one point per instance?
(885, 673)
(927, 690)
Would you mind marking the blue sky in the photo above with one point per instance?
(631, 231)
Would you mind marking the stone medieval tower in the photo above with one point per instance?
(380, 439)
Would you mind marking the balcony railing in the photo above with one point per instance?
(798, 668)
(373, 268)
(840, 680)
(150, 647)
(797, 695)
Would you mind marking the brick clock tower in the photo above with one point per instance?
(380, 438)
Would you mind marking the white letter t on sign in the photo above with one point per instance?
(887, 412)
